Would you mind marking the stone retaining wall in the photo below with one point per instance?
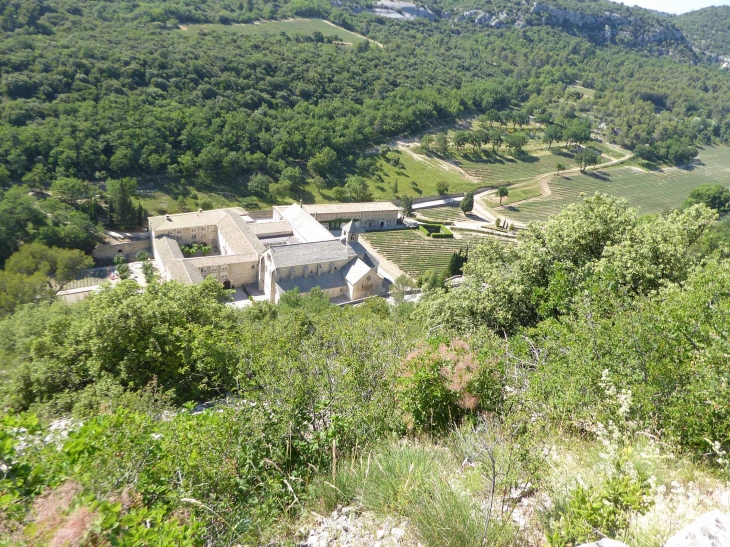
(105, 253)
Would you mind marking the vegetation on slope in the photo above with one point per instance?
(707, 28)
(115, 91)
(596, 318)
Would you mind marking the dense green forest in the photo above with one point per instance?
(112, 90)
(707, 28)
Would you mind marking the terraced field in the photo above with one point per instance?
(651, 191)
(441, 214)
(414, 253)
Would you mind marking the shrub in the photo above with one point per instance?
(250, 203)
(603, 512)
(439, 385)
(409, 479)
(435, 230)
(444, 232)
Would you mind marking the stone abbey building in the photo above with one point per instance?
(293, 249)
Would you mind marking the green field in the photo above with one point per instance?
(607, 150)
(158, 202)
(441, 214)
(651, 191)
(412, 177)
(416, 176)
(520, 193)
(291, 27)
(414, 253)
(584, 90)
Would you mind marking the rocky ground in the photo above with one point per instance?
(351, 527)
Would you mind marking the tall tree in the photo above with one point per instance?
(406, 204)
(552, 134)
(323, 162)
(467, 203)
(502, 192)
(442, 144)
(19, 218)
(120, 194)
(70, 189)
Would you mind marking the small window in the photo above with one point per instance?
(368, 278)
(214, 268)
(335, 268)
(253, 266)
(342, 289)
(204, 228)
(203, 270)
(193, 230)
(193, 236)
(224, 268)
(224, 275)
(169, 232)
(178, 231)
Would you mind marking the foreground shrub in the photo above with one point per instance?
(217, 477)
(589, 515)
(440, 384)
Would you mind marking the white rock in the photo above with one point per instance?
(398, 533)
(380, 534)
(709, 530)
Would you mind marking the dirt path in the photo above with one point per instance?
(544, 180)
(443, 164)
(355, 33)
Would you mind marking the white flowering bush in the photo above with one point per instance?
(605, 509)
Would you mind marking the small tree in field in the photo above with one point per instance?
(442, 187)
(407, 205)
(442, 144)
(559, 167)
(467, 204)
(502, 192)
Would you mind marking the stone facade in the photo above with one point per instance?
(291, 250)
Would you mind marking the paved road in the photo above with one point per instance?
(437, 203)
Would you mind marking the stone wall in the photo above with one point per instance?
(423, 199)
(104, 254)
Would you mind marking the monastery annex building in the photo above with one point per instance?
(293, 249)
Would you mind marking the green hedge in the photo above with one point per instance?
(435, 231)
(424, 230)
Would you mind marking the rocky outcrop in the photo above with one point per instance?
(402, 10)
(608, 27)
(709, 530)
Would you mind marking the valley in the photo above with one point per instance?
(342, 273)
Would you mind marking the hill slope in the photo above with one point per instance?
(708, 29)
